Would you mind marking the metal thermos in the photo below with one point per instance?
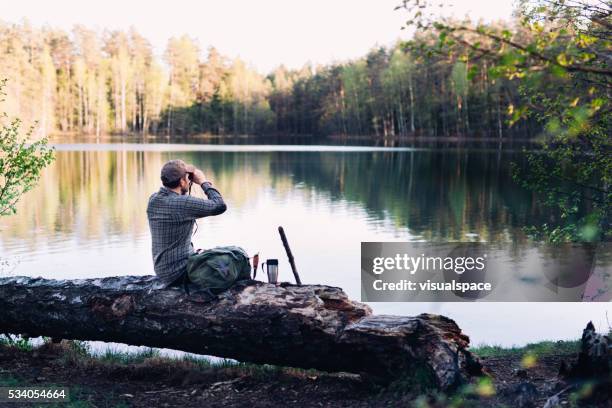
(271, 268)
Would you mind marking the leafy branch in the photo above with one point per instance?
(21, 161)
(559, 51)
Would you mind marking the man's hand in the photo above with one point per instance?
(198, 176)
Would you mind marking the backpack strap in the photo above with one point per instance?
(186, 283)
(205, 295)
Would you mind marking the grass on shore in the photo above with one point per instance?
(76, 352)
(114, 356)
(539, 349)
(79, 350)
(149, 360)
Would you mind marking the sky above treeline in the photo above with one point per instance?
(265, 33)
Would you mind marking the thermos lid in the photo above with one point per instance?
(272, 262)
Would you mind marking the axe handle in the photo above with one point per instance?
(281, 231)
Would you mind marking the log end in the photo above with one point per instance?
(431, 341)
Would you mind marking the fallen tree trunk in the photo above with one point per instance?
(309, 326)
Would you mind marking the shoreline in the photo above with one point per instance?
(146, 379)
(148, 138)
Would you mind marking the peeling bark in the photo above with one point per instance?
(310, 326)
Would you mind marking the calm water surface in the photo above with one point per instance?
(87, 217)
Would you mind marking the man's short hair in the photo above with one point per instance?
(172, 172)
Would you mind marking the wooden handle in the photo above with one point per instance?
(281, 231)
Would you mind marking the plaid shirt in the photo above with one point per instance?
(171, 219)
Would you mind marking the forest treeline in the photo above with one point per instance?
(87, 82)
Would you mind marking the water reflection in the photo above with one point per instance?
(87, 217)
(459, 196)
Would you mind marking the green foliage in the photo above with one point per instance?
(539, 349)
(82, 83)
(572, 177)
(23, 344)
(21, 162)
(20, 343)
(559, 54)
(111, 355)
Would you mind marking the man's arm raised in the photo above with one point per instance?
(198, 207)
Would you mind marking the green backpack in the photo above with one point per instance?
(217, 269)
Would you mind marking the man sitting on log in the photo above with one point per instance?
(172, 214)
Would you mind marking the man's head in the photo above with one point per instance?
(175, 175)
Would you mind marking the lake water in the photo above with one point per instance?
(87, 218)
